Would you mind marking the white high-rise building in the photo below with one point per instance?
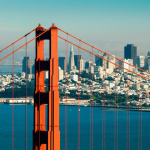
(71, 60)
(111, 66)
(60, 73)
(129, 61)
(140, 61)
(91, 69)
(82, 65)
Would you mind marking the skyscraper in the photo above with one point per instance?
(87, 65)
(140, 61)
(99, 61)
(148, 54)
(77, 59)
(81, 65)
(62, 63)
(146, 62)
(130, 52)
(71, 60)
(106, 63)
(29, 65)
(129, 61)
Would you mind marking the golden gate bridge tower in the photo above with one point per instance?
(46, 139)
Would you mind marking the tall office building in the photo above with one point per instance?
(60, 73)
(120, 63)
(62, 63)
(77, 59)
(33, 69)
(29, 65)
(146, 62)
(130, 52)
(87, 64)
(111, 66)
(105, 62)
(148, 54)
(140, 61)
(129, 61)
(82, 65)
(71, 60)
(98, 60)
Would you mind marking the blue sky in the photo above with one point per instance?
(108, 24)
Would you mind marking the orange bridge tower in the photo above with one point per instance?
(46, 139)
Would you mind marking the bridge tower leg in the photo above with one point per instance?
(46, 139)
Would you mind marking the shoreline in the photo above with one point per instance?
(107, 108)
(111, 108)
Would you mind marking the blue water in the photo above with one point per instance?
(8, 70)
(72, 129)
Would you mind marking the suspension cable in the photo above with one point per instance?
(141, 119)
(115, 114)
(78, 98)
(127, 116)
(103, 58)
(90, 105)
(129, 106)
(25, 44)
(117, 106)
(66, 96)
(103, 51)
(18, 40)
(26, 102)
(92, 97)
(12, 98)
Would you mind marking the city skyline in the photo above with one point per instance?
(76, 100)
(111, 27)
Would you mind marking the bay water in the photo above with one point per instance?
(99, 117)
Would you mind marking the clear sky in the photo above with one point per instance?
(108, 24)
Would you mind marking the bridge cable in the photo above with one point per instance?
(141, 117)
(25, 44)
(76, 46)
(104, 52)
(79, 97)
(12, 98)
(117, 106)
(66, 96)
(127, 116)
(101, 58)
(90, 106)
(90, 103)
(105, 100)
(115, 113)
(102, 110)
(17, 40)
(92, 97)
(0, 77)
(129, 106)
(26, 101)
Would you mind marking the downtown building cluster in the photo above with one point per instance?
(97, 76)
(19, 78)
(113, 79)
